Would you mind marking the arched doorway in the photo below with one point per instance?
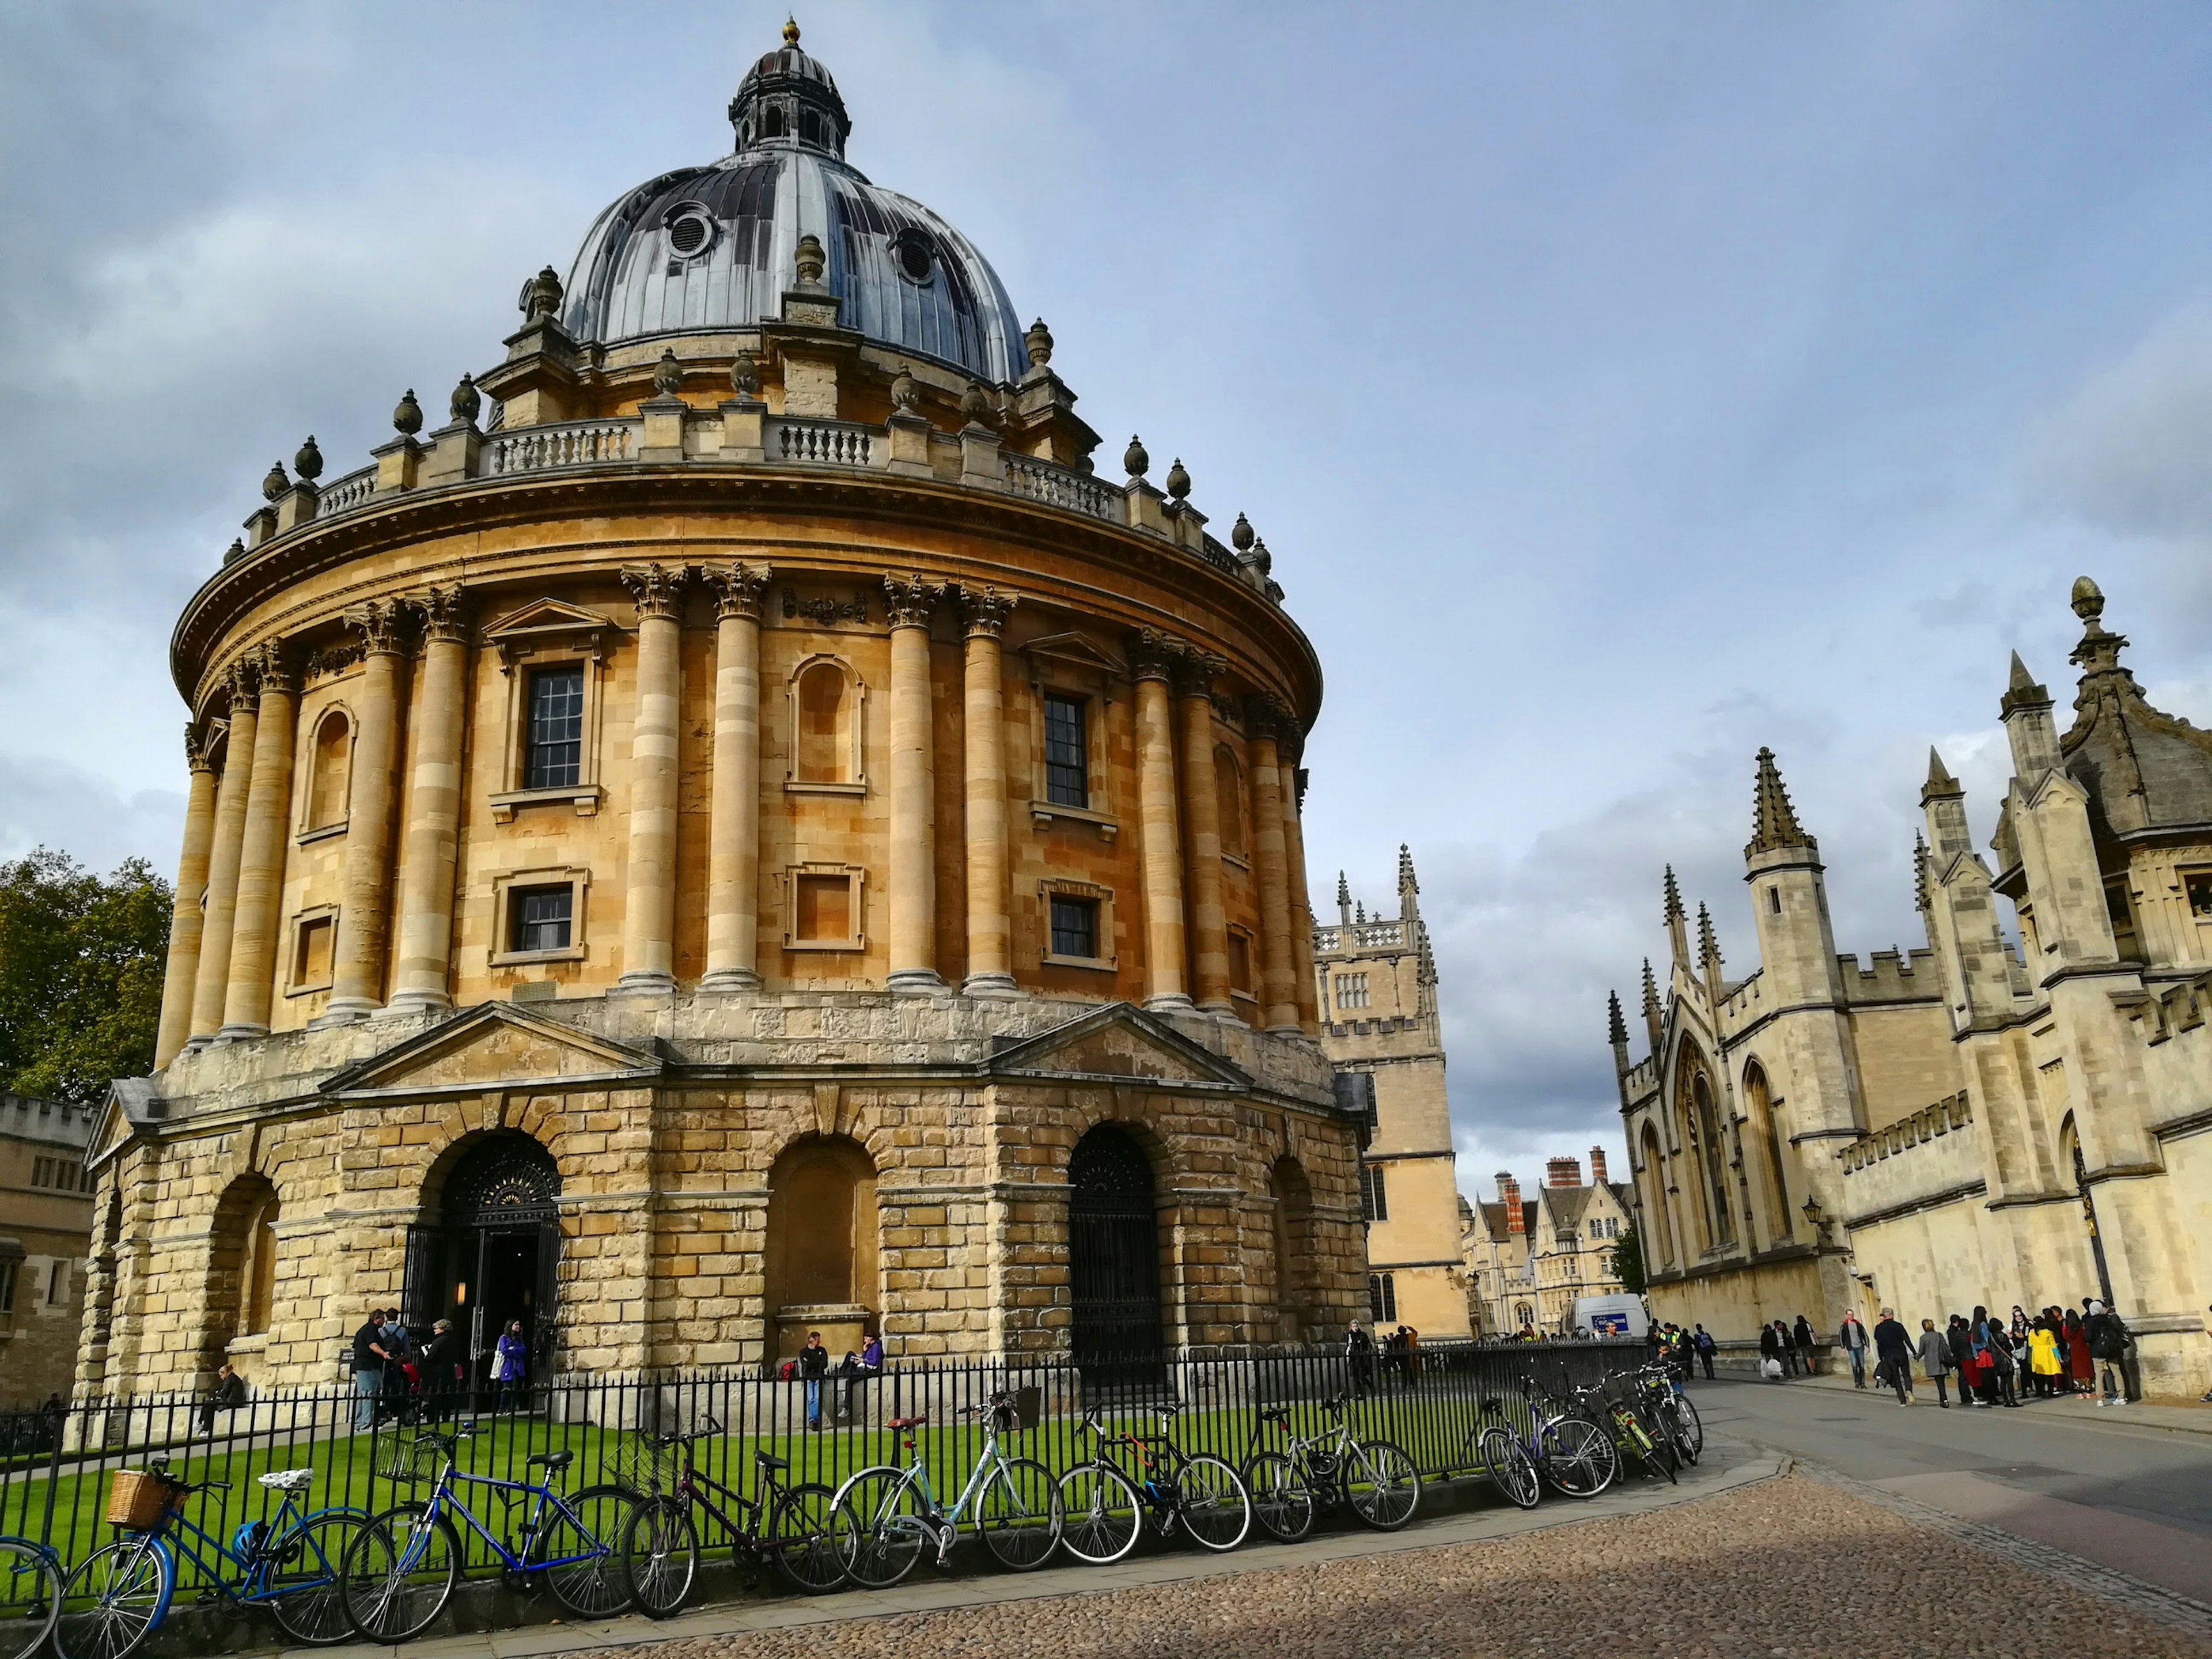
(489, 1255)
(1294, 1252)
(1113, 1258)
(821, 1258)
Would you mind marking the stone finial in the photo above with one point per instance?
(237, 550)
(1674, 897)
(790, 30)
(976, 404)
(1343, 889)
(1773, 822)
(1178, 481)
(1360, 911)
(1616, 1023)
(275, 484)
(668, 375)
(1240, 534)
(2087, 599)
(1709, 943)
(307, 461)
(906, 392)
(1135, 461)
(541, 295)
(467, 402)
(810, 261)
(407, 416)
(745, 374)
(1941, 783)
(1038, 343)
(1650, 991)
(1262, 561)
(2021, 692)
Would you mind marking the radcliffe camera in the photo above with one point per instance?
(1469, 921)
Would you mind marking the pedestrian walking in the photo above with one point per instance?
(2109, 1342)
(1704, 1344)
(1803, 1335)
(510, 1366)
(1892, 1347)
(1852, 1340)
(1360, 1355)
(369, 1357)
(1935, 1360)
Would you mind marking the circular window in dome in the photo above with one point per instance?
(916, 260)
(690, 230)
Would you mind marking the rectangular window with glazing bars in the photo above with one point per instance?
(541, 918)
(1066, 752)
(1074, 926)
(553, 753)
(1382, 1298)
(1374, 1200)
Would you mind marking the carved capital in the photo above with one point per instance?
(1153, 655)
(381, 624)
(199, 749)
(1194, 672)
(911, 600)
(739, 588)
(275, 669)
(984, 611)
(1267, 718)
(243, 678)
(656, 588)
(445, 613)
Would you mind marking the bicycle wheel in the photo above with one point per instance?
(1018, 1514)
(661, 1555)
(878, 1527)
(1212, 1502)
(118, 1597)
(802, 1535)
(1099, 1515)
(1578, 1456)
(1510, 1469)
(305, 1587)
(1693, 1426)
(399, 1572)
(30, 1597)
(1282, 1498)
(580, 1550)
(1382, 1483)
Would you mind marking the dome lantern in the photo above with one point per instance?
(788, 99)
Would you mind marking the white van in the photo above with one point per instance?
(1611, 1315)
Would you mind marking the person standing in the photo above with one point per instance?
(1852, 1340)
(2043, 1356)
(2023, 1353)
(1961, 1345)
(1771, 1365)
(510, 1364)
(1705, 1344)
(440, 1368)
(368, 1359)
(2109, 1341)
(1936, 1359)
(1892, 1347)
(1803, 1335)
(1360, 1355)
(813, 1366)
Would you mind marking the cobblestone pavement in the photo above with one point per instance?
(1795, 1568)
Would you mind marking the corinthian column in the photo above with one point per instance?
(184, 913)
(990, 929)
(1201, 818)
(261, 855)
(212, 975)
(1152, 660)
(365, 895)
(428, 850)
(913, 882)
(649, 902)
(1271, 861)
(734, 809)
(1289, 747)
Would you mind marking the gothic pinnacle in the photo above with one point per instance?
(2021, 691)
(1941, 784)
(1773, 821)
(1708, 944)
(1616, 1025)
(1650, 989)
(1674, 897)
(1923, 898)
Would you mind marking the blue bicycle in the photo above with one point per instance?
(401, 1567)
(289, 1567)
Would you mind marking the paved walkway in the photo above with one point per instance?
(2181, 1417)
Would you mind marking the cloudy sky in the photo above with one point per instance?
(1620, 387)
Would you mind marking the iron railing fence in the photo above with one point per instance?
(54, 1477)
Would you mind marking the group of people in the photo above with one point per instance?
(1400, 1352)
(1786, 1351)
(812, 1368)
(1682, 1349)
(1997, 1362)
(394, 1376)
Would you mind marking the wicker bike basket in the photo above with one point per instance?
(138, 1499)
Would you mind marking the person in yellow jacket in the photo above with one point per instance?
(2043, 1356)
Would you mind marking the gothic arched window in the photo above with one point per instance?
(1759, 1103)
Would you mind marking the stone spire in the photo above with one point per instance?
(1943, 802)
(1343, 901)
(1409, 889)
(1773, 823)
(1616, 1031)
(1675, 921)
(1940, 781)
(1653, 1015)
(1709, 950)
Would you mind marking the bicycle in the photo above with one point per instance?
(883, 1513)
(1102, 1503)
(1375, 1476)
(401, 1568)
(120, 1593)
(1573, 1453)
(32, 1601)
(787, 1525)
(1632, 1437)
(1662, 1397)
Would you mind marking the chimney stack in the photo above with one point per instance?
(1597, 1167)
(1563, 1172)
(1509, 1193)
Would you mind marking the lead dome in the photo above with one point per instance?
(713, 247)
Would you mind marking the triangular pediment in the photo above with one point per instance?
(543, 616)
(494, 1044)
(1077, 649)
(131, 1104)
(1118, 1041)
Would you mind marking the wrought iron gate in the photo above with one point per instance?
(1114, 1259)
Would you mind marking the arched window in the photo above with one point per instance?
(1294, 1251)
(1760, 1104)
(260, 1273)
(1229, 789)
(331, 761)
(1712, 1157)
(821, 1255)
(810, 127)
(771, 121)
(825, 717)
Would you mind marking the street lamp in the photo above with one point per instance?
(1817, 1218)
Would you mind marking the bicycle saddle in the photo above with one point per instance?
(288, 1479)
(908, 1422)
(769, 1461)
(1168, 1408)
(552, 1462)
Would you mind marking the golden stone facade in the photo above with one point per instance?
(1980, 1121)
(689, 859)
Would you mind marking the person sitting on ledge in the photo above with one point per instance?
(229, 1394)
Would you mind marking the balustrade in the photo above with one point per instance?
(1063, 487)
(822, 443)
(343, 495)
(573, 443)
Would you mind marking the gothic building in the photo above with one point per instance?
(1375, 982)
(1991, 1120)
(1529, 1260)
(738, 830)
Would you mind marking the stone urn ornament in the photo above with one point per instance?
(308, 462)
(275, 483)
(668, 375)
(467, 401)
(1135, 461)
(407, 417)
(745, 374)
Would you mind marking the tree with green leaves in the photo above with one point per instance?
(1628, 1260)
(82, 958)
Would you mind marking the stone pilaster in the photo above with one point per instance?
(1270, 864)
(990, 926)
(1289, 748)
(1151, 661)
(365, 895)
(913, 895)
(649, 902)
(184, 916)
(734, 805)
(1202, 816)
(429, 847)
(253, 976)
(211, 976)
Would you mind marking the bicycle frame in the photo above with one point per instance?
(170, 1538)
(940, 1519)
(445, 1502)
